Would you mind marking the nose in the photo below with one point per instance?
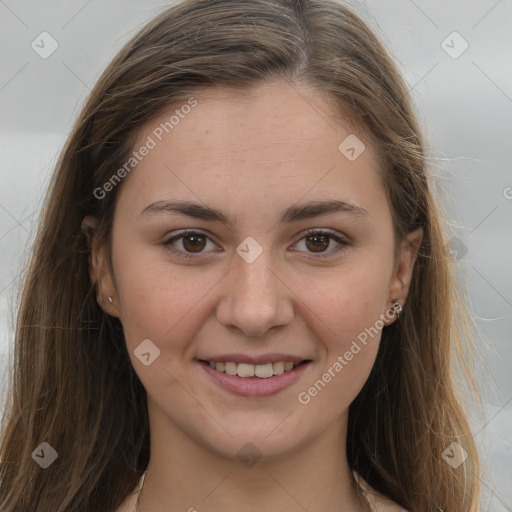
(255, 297)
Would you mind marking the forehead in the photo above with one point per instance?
(267, 144)
(246, 119)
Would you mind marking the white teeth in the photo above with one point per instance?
(278, 368)
(262, 371)
(230, 368)
(245, 370)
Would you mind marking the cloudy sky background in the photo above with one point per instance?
(463, 99)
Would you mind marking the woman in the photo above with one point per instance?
(239, 296)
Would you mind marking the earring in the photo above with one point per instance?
(396, 309)
(110, 299)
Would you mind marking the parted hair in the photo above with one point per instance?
(71, 380)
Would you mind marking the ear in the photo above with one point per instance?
(99, 271)
(402, 275)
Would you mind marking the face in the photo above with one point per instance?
(245, 235)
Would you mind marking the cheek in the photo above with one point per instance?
(348, 310)
(158, 302)
(348, 360)
(348, 301)
(165, 307)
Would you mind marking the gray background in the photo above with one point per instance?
(464, 103)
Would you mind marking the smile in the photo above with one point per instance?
(254, 380)
(261, 371)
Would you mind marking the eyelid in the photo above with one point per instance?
(327, 231)
(169, 240)
(339, 238)
(342, 240)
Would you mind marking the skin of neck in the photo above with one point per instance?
(184, 475)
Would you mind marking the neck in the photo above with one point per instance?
(188, 476)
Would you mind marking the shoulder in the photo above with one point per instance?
(379, 502)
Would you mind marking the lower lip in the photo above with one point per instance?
(254, 386)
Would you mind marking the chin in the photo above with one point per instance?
(256, 440)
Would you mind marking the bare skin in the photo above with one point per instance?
(253, 155)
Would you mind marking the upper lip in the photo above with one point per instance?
(255, 359)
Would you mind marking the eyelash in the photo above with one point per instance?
(317, 232)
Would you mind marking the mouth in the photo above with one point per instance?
(259, 371)
(254, 380)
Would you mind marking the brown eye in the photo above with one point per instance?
(189, 244)
(194, 243)
(317, 243)
(323, 244)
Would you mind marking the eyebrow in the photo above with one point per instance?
(292, 214)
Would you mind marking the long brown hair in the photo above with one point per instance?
(72, 384)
